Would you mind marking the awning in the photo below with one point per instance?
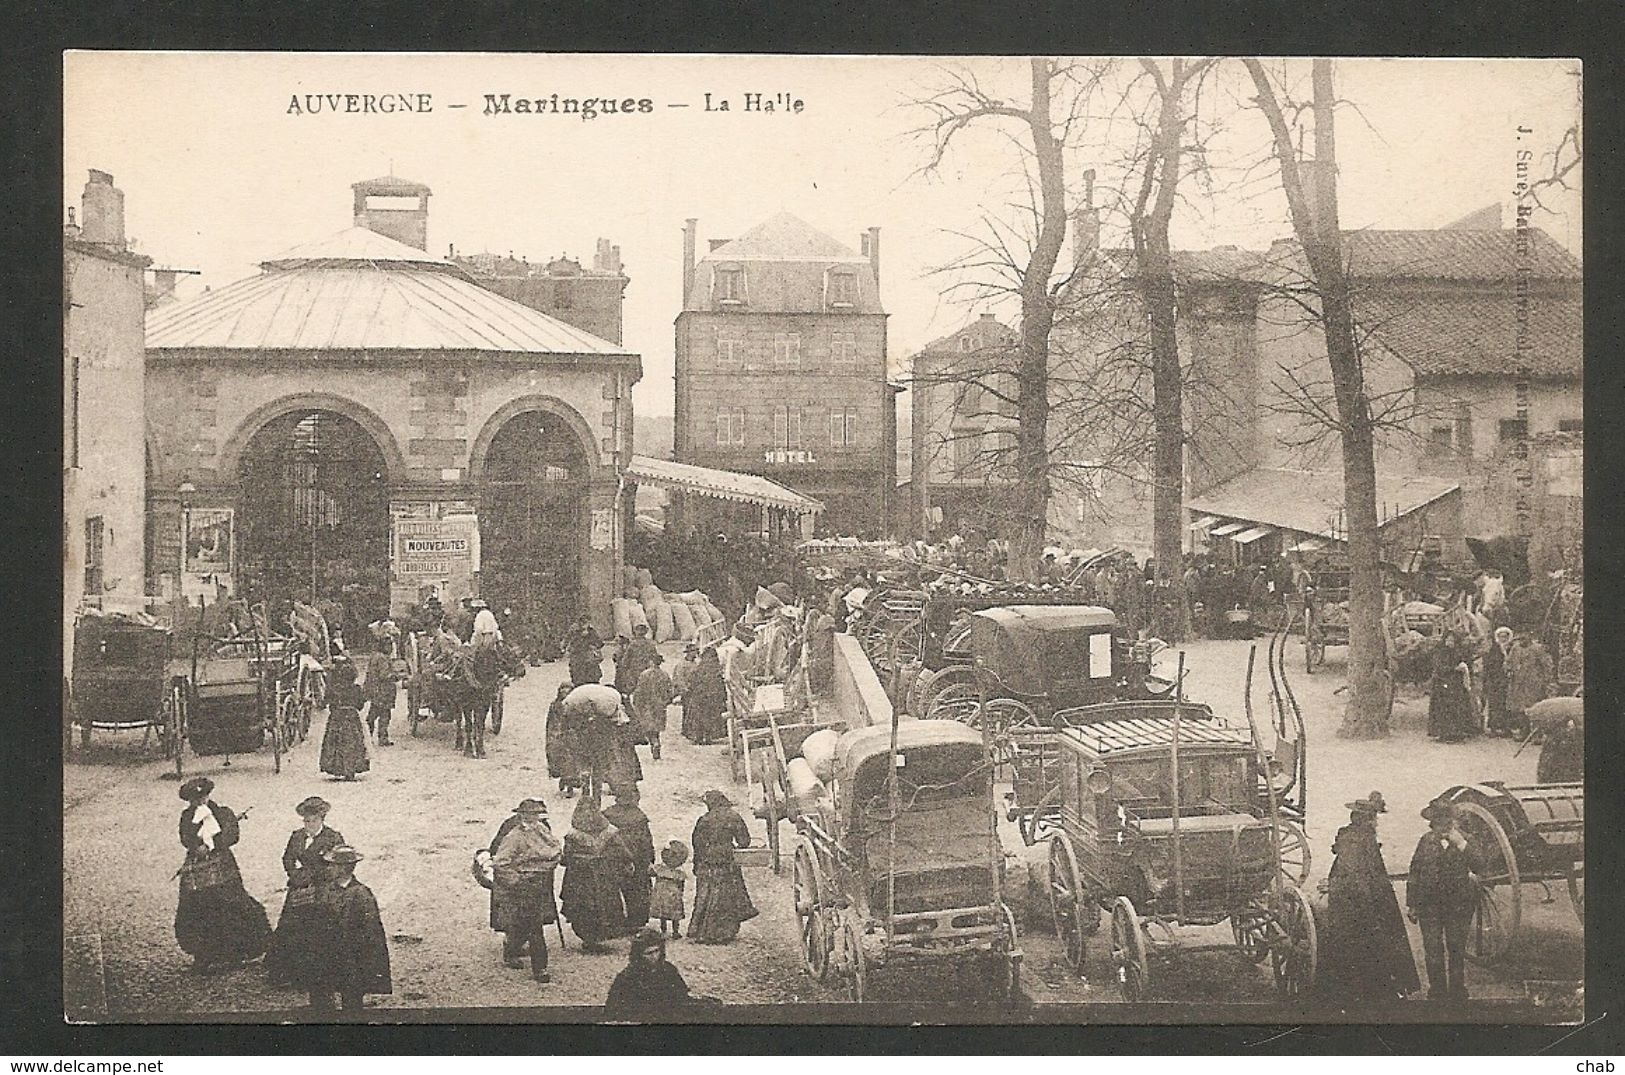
(720, 484)
(1226, 529)
(1204, 522)
(1247, 537)
(1308, 545)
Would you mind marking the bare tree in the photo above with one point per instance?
(1022, 260)
(1312, 201)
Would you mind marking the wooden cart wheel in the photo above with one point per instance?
(1577, 890)
(1075, 915)
(1009, 959)
(1295, 947)
(1295, 857)
(808, 887)
(1500, 898)
(956, 701)
(1128, 951)
(854, 968)
(1251, 928)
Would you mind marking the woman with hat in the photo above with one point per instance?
(523, 857)
(1440, 897)
(721, 901)
(353, 960)
(596, 866)
(1367, 953)
(649, 988)
(298, 928)
(217, 922)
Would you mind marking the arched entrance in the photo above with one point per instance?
(313, 518)
(533, 519)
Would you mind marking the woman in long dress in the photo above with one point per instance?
(596, 866)
(1367, 955)
(299, 929)
(344, 741)
(706, 700)
(217, 922)
(721, 901)
(563, 750)
(1450, 709)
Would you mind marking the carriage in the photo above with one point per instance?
(231, 701)
(774, 759)
(898, 857)
(1325, 613)
(121, 680)
(1166, 818)
(1519, 834)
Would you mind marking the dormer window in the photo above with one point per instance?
(966, 343)
(843, 290)
(729, 288)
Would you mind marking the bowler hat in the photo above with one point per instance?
(199, 787)
(342, 855)
(313, 806)
(531, 806)
(1439, 808)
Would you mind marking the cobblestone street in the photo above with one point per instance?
(423, 809)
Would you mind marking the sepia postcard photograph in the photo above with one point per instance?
(738, 539)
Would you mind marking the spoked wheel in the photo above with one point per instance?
(1577, 890)
(1251, 929)
(1295, 860)
(1500, 898)
(1009, 982)
(1295, 946)
(808, 883)
(853, 968)
(1005, 717)
(1128, 952)
(957, 701)
(1075, 915)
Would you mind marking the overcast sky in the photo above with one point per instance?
(218, 175)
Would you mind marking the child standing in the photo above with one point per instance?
(666, 903)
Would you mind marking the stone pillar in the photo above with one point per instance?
(601, 560)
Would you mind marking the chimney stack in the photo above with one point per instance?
(871, 249)
(689, 227)
(384, 206)
(72, 230)
(607, 258)
(1086, 223)
(103, 211)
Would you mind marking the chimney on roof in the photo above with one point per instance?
(689, 227)
(1086, 223)
(103, 211)
(870, 245)
(397, 208)
(607, 258)
(72, 229)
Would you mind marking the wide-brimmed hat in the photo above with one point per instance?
(313, 806)
(342, 855)
(674, 854)
(1439, 808)
(531, 806)
(715, 798)
(199, 787)
(1372, 804)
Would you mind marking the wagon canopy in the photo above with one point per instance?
(1045, 644)
(934, 752)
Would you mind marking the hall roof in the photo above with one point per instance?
(362, 291)
(1311, 501)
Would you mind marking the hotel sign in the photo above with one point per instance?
(788, 455)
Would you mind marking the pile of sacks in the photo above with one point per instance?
(669, 617)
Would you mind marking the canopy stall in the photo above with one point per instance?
(729, 485)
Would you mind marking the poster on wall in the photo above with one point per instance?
(603, 528)
(209, 541)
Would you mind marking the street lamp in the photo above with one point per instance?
(185, 492)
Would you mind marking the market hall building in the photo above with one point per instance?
(363, 414)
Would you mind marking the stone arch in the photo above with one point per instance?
(548, 405)
(231, 455)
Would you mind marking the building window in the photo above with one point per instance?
(787, 427)
(95, 540)
(730, 350)
(1442, 441)
(787, 350)
(966, 343)
(970, 401)
(1564, 425)
(730, 285)
(843, 427)
(843, 349)
(1514, 430)
(730, 428)
(843, 289)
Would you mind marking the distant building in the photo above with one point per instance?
(781, 367)
(590, 299)
(104, 446)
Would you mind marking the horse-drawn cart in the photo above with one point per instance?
(1519, 834)
(898, 858)
(121, 681)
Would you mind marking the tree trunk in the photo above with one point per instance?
(1028, 520)
(1156, 276)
